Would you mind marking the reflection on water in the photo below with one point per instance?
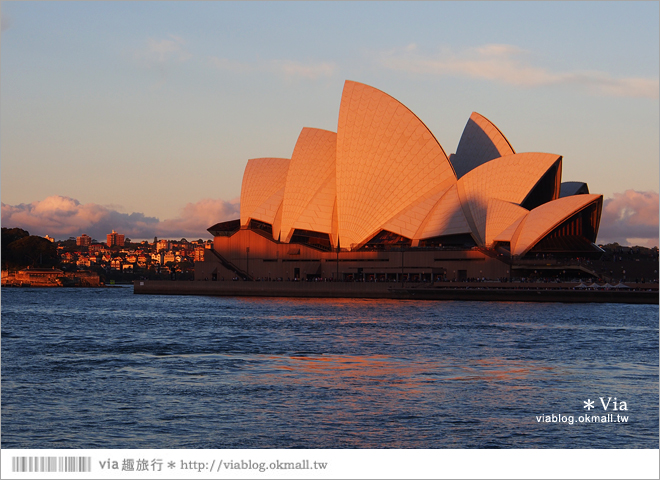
(332, 369)
(106, 369)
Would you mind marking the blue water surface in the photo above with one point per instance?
(103, 368)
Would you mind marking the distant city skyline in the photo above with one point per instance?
(140, 117)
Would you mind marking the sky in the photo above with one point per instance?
(141, 116)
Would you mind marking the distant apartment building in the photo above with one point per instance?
(169, 257)
(199, 254)
(96, 248)
(115, 238)
(157, 258)
(84, 240)
(116, 264)
(162, 245)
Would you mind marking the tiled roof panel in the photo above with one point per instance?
(311, 170)
(508, 178)
(263, 177)
(540, 221)
(387, 159)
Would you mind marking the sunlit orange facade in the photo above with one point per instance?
(380, 200)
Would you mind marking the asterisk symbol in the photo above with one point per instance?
(171, 465)
(589, 404)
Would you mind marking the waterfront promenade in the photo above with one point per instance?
(641, 293)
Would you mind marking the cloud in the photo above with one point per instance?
(630, 218)
(289, 69)
(64, 217)
(160, 53)
(508, 64)
(195, 218)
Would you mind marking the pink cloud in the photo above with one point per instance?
(511, 65)
(64, 217)
(195, 218)
(630, 218)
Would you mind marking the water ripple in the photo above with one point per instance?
(102, 368)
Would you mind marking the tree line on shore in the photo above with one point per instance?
(20, 250)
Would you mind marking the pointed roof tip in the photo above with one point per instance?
(353, 83)
(479, 115)
(480, 142)
(315, 129)
(398, 102)
(383, 92)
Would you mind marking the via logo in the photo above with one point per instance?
(616, 406)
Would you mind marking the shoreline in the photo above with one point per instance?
(468, 291)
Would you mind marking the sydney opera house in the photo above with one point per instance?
(380, 200)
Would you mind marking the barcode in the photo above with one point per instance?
(51, 464)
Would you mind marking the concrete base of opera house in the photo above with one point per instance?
(475, 291)
(252, 254)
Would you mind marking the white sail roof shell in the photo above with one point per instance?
(384, 170)
(508, 178)
(262, 190)
(387, 159)
(544, 218)
(310, 191)
(500, 216)
(480, 142)
(446, 218)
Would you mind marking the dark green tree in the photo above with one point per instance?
(30, 251)
(12, 234)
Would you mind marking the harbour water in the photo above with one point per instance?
(103, 368)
